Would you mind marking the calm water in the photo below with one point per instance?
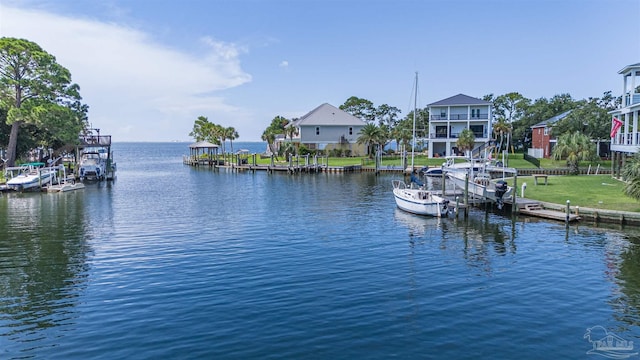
(175, 262)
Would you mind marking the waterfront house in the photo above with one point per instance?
(327, 128)
(625, 135)
(448, 117)
(542, 138)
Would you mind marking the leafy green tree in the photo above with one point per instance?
(370, 135)
(277, 127)
(466, 140)
(541, 110)
(574, 147)
(200, 129)
(37, 92)
(631, 174)
(511, 108)
(360, 108)
(590, 117)
(387, 115)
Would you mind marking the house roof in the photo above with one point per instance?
(627, 68)
(202, 144)
(552, 120)
(327, 114)
(460, 99)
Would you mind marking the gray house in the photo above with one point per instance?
(448, 117)
(327, 127)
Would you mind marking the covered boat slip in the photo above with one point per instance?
(94, 143)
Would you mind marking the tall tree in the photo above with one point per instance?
(510, 107)
(200, 129)
(387, 115)
(500, 129)
(37, 91)
(541, 110)
(360, 108)
(231, 134)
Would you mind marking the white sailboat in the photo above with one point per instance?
(414, 198)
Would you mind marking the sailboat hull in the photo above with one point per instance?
(419, 201)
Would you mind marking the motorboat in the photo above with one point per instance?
(31, 176)
(418, 200)
(483, 180)
(93, 165)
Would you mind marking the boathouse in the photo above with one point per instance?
(203, 153)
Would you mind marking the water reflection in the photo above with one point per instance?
(43, 262)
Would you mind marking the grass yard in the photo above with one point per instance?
(594, 191)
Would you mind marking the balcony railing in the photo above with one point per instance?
(631, 99)
(477, 135)
(459, 117)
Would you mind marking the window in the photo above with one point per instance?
(546, 130)
(317, 131)
(478, 130)
(443, 114)
(350, 131)
(473, 113)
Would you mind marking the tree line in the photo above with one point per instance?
(39, 104)
(514, 115)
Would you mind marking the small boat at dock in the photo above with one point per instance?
(30, 177)
(414, 198)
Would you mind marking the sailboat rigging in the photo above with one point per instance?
(414, 198)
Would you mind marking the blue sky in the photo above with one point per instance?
(148, 68)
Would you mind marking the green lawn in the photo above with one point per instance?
(594, 191)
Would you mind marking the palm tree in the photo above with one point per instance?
(370, 135)
(574, 147)
(501, 128)
(631, 174)
(466, 140)
(270, 137)
(231, 134)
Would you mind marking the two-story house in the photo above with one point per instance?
(448, 117)
(542, 139)
(327, 127)
(625, 135)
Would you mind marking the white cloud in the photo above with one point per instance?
(284, 64)
(136, 88)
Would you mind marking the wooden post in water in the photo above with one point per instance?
(568, 211)
(514, 205)
(466, 195)
(444, 187)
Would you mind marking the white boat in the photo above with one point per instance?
(483, 180)
(414, 198)
(93, 164)
(31, 176)
(65, 183)
(418, 201)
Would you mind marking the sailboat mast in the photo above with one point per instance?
(415, 106)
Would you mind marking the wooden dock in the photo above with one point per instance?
(536, 209)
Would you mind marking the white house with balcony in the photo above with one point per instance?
(448, 117)
(328, 127)
(627, 137)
